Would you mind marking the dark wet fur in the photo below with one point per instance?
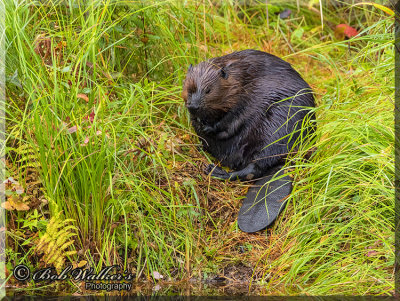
(238, 109)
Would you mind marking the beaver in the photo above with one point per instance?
(250, 109)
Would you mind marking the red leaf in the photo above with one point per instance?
(72, 130)
(91, 117)
(347, 30)
(372, 253)
(85, 142)
(83, 96)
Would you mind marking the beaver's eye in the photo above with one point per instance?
(192, 90)
(208, 90)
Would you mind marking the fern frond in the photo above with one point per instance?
(56, 240)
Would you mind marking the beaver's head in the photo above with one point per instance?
(209, 91)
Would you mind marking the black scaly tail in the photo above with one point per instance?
(265, 200)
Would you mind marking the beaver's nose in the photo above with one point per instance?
(193, 103)
(193, 107)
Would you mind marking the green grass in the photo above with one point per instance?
(130, 175)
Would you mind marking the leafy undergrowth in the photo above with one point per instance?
(98, 134)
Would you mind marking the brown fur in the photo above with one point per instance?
(224, 93)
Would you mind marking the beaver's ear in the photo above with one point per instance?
(190, 68)
(224, 72)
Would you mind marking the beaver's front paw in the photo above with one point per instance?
(223, 135)
(209, 130)
(216, 172)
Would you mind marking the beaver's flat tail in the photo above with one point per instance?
(265, 200)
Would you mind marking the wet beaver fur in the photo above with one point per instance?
(249, 109)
